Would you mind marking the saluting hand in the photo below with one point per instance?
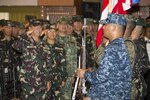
(62, 84)
(48, 86)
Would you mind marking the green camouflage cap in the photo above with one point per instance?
(95, 21)
(89, 21)
(70, 22)
(140, 22)
(77, 18)
(62, 20)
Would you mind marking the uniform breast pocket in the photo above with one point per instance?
(30, 53)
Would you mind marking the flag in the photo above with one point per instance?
(114, 6)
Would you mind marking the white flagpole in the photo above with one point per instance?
(76, 84)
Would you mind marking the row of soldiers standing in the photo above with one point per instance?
(44, 57)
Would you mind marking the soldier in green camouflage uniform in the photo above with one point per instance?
(98, 53)
(127, 36)
(79, 34)
(57, 69)
(90, 31)
(33, 73)
(70, 27)
(141, 59)
(9, 61)
(135, 29)
(95, 31)
(69, 44)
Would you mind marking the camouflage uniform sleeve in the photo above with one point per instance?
(109, 65)
(100, 74)
(98, 53)
(63, 65)
(90, 52)
(49, 64)
(141, 59)
(131, 50)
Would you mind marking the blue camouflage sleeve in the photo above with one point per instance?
(105, 67)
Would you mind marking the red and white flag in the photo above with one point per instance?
(114, 6)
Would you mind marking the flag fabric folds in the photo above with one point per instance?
(113, 6)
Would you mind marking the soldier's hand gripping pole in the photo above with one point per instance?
(76, 84)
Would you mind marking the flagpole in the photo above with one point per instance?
(110, 6)
(76, 83)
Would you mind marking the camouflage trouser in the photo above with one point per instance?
(67, 90)
(55, 93)
(139, 89)
(28, 93)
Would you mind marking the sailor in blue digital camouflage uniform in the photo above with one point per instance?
(112, 80)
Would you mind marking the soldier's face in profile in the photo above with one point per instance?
(106, 30)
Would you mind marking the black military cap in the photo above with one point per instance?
(36, 22)
(18, 24)
(46, 24)
(2, 22)
(77, 18)
(30, 17)
(53, 26)
(7, 23)
(15, 24)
